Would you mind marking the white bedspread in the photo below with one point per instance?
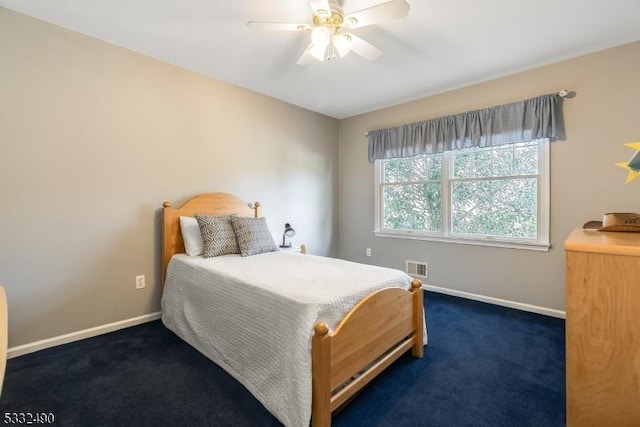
(254, 316)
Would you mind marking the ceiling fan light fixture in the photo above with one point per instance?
(342, 43)
(318, 51)
(321, 36)
(320, 41)
(351, 21)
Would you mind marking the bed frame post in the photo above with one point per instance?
(256, 209)
(320, 367)
(167, 252)
(416, 289)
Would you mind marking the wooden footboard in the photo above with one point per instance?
(373, 335)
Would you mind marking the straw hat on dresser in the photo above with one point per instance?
(616, 221)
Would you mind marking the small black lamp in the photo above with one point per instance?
(288, 232)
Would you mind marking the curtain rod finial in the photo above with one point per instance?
(563, 93)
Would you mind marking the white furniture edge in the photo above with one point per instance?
(4, 332)
(80, 335)
(497, 301)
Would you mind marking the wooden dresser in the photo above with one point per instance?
(603, 329)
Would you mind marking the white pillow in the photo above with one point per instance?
(193, 243)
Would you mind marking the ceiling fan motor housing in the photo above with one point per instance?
(335, 20)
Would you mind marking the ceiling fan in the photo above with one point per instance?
(328, 25)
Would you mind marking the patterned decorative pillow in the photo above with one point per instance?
(218, 235)
(253, 235)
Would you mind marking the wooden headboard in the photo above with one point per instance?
(207, 204)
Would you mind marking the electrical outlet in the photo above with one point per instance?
(368, 251)
(140, 282)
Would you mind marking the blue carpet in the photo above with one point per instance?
(484, 366)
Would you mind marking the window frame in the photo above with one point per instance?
(540, 243)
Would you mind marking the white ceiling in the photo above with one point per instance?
(440, 45)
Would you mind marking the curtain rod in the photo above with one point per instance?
(562, 94)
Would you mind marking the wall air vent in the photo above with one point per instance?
(415, 268)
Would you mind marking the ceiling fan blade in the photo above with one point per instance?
(320, 7)
(278, 26)
(306, 58)
(393, 9)
(363, 48)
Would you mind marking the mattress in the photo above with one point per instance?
(254, 316)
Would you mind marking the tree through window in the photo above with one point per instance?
(478, 195)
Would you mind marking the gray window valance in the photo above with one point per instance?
(527, 120)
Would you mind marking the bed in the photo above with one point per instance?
(303, 333)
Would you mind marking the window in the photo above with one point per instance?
(497, 196)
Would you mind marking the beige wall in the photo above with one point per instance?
(602, 116)
(93, 138)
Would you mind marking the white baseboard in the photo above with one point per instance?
(79, 335)
(110, 327)
(497, 301)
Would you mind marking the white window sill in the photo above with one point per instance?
(476, 241)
